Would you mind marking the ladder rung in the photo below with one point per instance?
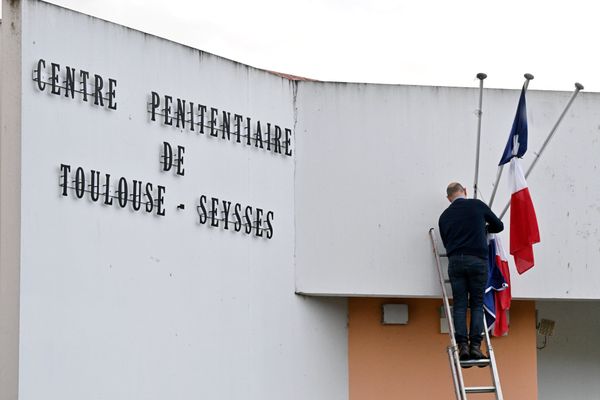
(480, 389)
(443, 255)
(484, 362)
(446, 280)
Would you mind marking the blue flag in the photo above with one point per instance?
(517, 141)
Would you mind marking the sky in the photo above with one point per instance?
(424, 42)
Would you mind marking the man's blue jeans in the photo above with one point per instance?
(468, 277)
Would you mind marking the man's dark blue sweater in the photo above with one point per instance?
(464, 226)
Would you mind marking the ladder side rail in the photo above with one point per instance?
(493, 367)
(438, 264)
(454, 348)
(458, 389)
(461, 382)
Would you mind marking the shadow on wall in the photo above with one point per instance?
(569, 364)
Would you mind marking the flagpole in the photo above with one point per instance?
(527, 77)
(578, 87)
(481, 76)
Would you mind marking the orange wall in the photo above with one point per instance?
(410, 361)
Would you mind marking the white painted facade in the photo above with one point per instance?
(118, 304)
(373, 165)
(569, 364)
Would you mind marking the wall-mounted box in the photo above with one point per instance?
(394, 314)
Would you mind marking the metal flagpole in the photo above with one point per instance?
(481, 76)
(528, 77)
(578, 87)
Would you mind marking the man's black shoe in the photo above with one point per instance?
(463, 352)
(476, 353)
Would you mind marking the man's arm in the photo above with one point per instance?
(442, 226)
(494, 223)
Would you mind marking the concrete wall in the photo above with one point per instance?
(569, 365)
(410, 362)
(10, 197)
(122, 304)
(373, 164)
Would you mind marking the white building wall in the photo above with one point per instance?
(569, 365)
(373, 165)
(117, 304)
(10, 198)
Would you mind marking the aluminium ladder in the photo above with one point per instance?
(455, 364)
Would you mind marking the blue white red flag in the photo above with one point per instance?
(503, 297)
(517, 141)
(496, 283)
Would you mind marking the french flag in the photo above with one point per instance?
(524, 230)
(502, 298)
(496, 284)
(517, 140)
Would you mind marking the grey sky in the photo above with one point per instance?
(432, 42)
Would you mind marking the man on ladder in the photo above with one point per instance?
(463, 228)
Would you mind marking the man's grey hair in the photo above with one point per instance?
(453, 188)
